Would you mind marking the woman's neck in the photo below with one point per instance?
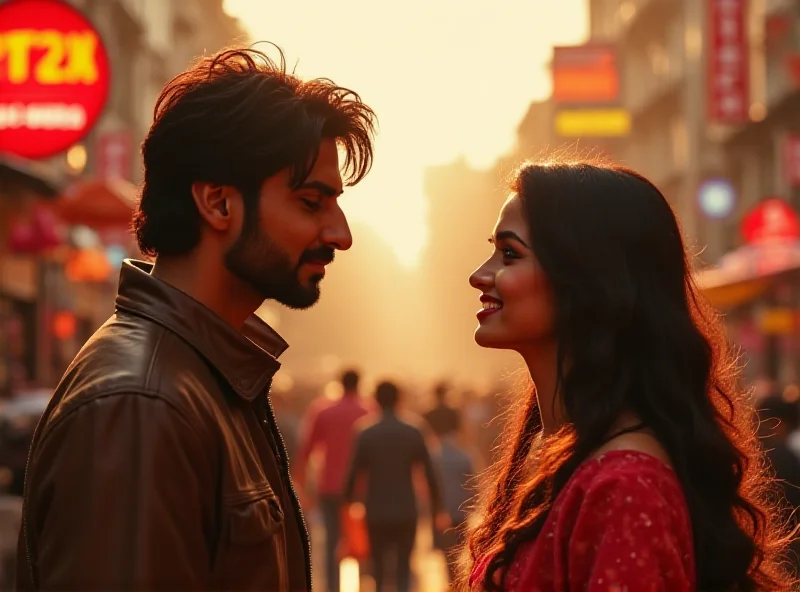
(542, 365)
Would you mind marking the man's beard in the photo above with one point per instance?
(259, 262)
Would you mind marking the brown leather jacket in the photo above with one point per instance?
(158, 464)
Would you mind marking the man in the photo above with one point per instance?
(331, 432)
(386, 455)
(157, 465)
(442, 419)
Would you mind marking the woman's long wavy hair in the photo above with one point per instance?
(639, 338)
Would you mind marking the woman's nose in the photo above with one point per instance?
(482, 278)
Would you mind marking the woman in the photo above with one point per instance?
(632, 465)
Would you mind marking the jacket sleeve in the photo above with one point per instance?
(119, 498)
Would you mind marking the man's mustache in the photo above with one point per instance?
(319, 255)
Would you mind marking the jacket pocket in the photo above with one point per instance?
(255, 519)
(253, 547)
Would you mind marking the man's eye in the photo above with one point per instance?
(311, 204)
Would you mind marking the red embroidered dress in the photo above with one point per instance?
(619, 525)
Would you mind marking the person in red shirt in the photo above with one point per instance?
(632, 463)
(331, 432)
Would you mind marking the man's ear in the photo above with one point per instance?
(213, 202)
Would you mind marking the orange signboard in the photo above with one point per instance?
(54, 77)
(585, 75)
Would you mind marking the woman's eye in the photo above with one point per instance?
(509, 253)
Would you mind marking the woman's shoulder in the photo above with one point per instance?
(624, 462)
(623, 488)
(631, 472)
(622, 509)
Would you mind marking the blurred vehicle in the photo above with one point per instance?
(18, 419)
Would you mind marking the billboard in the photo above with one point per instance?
(54, 77)
(587, 92)
(586, 75)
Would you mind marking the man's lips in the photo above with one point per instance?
(316, 266)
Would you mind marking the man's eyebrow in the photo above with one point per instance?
(322, 187)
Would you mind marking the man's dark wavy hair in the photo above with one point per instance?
(634, 335)
(237, 118)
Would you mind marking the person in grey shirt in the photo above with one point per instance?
(456, 468)
(386, 454)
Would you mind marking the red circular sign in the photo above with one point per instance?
(54, 77)
(773, 220)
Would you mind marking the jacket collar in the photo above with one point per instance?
(247, 360)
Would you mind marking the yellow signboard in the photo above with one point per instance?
(593, 123)
(777, 321)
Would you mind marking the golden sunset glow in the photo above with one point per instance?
(448, 78)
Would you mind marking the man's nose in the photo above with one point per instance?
(337, 232)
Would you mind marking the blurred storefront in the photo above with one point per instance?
(69, 137)
(660, 46)
(713, 91)
(757, 285)
(757, 281)
(762, 153)
(47, 109)
(27, 236)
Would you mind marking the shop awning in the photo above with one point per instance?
(98, 204)
(730, 295)
(744, 274)
(39, 177)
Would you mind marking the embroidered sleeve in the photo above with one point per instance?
(629, 536)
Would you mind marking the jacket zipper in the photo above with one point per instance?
(284, 463)
(25, 533)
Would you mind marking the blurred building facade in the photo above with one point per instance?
(149, 42)
(659, 44)
(65, 218)
(713, 92)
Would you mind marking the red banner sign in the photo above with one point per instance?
(54, 77)
(114, 155)
(792, 161)
(728, 68)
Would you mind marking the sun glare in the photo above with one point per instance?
(447, 78)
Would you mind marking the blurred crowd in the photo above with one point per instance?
(417, 452)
